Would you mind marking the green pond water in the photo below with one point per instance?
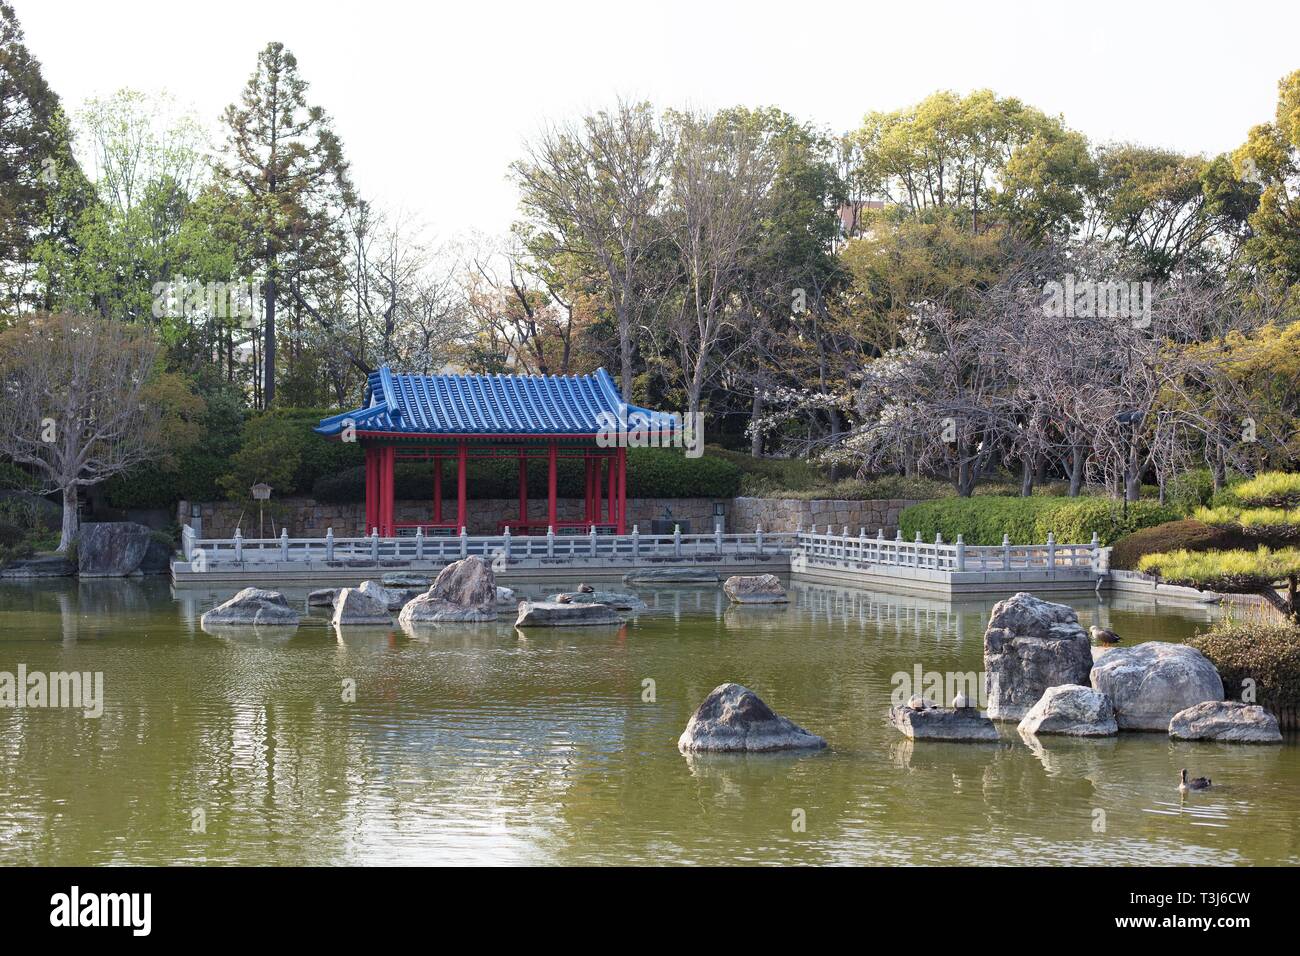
(480, 744)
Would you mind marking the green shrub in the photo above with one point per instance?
(983, 520)
(1271, 489)
(1186, 534)
(10, 534)
(761, 477)
(1190, 490)
(279, 448)
(1267, 654)
(13, 477)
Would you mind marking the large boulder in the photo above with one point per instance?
(1226, 720)
(555, 614)
(619, 600)
(157, 557)
(1149, 683)
(464, 590)
(1029, 646)
(111, 549)
(918, 720)
(250, 607)
(733, 719)
(1072, 710)
(359, 606)
(671, 576)
(755, 589)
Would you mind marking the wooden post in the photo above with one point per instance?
(609, 498)
(372, 488)
(387, 463)
(588, 512)
(551, 485)
(462, 457)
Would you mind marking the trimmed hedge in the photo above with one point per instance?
(1264, 653)
(983, 520)
(1186, 534)
(651, 473)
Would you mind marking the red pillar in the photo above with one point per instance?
(462, 457)
(551, 483)
(387, 463)
(586, 470)
(609, 501)
(372, 489)
(622, 491)
(437, 489)
(523, 490)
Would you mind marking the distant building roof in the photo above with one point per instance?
(400, 404)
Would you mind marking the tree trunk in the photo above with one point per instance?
(70, 522)
(755, 411)
(1076, 471)
(625, 353)
(1026, 476)
(268, 349)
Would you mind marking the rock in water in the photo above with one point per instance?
(755, 589)
(671, 576)
(1226, 720)
(1029, 646)
(405, 579)
(358, 606)
(252, 606)
(1150, 683)
(943, 723)
(619, 600)
(393, 598)
(464, 590)
(555, 614)
(1072, 710)
(734, 719)
(325, 597)
(506, 597)
(111, 549)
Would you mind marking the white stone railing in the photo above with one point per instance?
(803, 547)
(592, 546)
(864, 551)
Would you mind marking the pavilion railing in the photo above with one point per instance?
(805, 548)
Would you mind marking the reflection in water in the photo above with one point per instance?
(483, 743)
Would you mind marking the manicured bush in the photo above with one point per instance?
(1186, 534)
(764, 477)
(1273, 489)
(1257, 654)
(983, 520)
(1234, 572)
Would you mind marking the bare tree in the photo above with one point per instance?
(593, 188)
(72, 402)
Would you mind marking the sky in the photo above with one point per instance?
(434, 100)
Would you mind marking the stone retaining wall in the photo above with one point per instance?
(787, 514)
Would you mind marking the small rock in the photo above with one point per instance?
(735, 719)
(393, 598)
(554, 614)
(1150, 683)
(359, 606)
(942, 723)
(406, 579)
(325, 597)
(252, 606)
(671, 576)
(1072, 710)
(1226, 720)
(619, 600)
(506, 596)
(755, 589)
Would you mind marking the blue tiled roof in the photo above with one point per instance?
(400, 404)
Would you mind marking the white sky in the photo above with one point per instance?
(433, 100)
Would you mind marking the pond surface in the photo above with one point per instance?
(478, 744)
